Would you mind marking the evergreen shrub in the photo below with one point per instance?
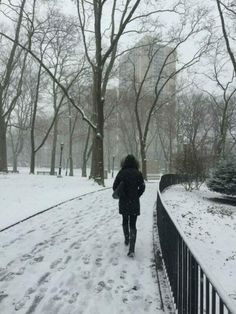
(223, 177)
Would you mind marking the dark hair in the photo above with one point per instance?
(129, 162)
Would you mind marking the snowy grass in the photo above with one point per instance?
(210, 227)
(22, 194)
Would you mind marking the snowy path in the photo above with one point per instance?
(72, 260)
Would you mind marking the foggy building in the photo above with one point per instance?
(150, 65)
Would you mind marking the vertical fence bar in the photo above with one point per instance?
(190, 292)
(185, 290)
(194, 283)
(207, 296)
(201, 291)
(221, 307)
(180, 281)
(213, 301)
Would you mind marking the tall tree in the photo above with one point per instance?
(5, 80)
(229, 6)
(155, 89)
(102, 61)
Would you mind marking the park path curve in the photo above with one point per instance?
(72, 260)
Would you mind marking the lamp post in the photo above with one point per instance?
(60, 162)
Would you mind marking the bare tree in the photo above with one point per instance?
(18, 127)
(5, 81)
(230, 9)
(62, 61)
(222, 96)
(103, 60)
(150, 89)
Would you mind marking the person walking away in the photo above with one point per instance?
(133, 187)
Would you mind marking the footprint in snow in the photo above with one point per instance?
(8, 277)
(68, 258)
(3, 295)
(31, 290)
(85, 274)
(76, 245)
(44, 278)
(123, 274)
(136, 297)
(86, 259)
(98, 261)
(21, 303)
(55, 263)
(101, 285)
(3, 271)
(148, 301)
(25, 257)
(73, 297)
(37, 260)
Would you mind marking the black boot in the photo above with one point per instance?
(132, 240)
(126, 234)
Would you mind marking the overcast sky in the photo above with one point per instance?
(184, 52)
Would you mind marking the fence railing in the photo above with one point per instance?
(195, 289)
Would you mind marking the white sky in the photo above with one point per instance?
(186, 50)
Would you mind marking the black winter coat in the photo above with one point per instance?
(134, 187)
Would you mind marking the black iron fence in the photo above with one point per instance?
(195, 290)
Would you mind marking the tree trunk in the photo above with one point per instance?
(32, 160)
(98, 167)
(84, 165)
(98, 158)
(93, 159)
(84, 168)
(170, 151)
(15, 161)
(3, 144)
(71, 172)
(35, 106)
(144, 160)
(54, 147)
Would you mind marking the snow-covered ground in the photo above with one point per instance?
(210, 227)
(72, 259)
(22, 195)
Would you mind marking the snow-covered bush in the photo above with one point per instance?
(223, 177)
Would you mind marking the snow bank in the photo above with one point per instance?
(210, 227)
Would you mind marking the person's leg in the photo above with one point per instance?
(132, 222)
(125, 224)
(133, 233)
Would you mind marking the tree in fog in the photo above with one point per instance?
(18, 126)
(100, 44)
(152, 91)
(63, 62)
(222, 98)
(227, 15)
(8, 96)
